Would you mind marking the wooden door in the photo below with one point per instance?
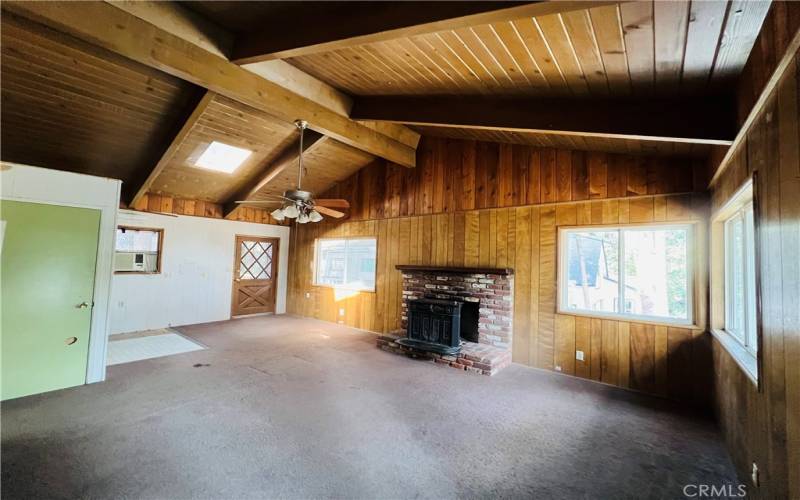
(48, 267)
(255, 275)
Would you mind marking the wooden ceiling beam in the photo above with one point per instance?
(187, 25)
(181, 22)
(284, 160)
(136, 191)
(356, 23)
(707, 120)
(299, 82)
(118, 31)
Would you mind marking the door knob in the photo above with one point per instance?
(82, 305)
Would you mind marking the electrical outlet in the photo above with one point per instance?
(308, 295)
(754, 474)
(558, 368)
(579, 355)
(341, 312)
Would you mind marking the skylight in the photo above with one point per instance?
(222, 157)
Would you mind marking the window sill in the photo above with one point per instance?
(344, 288)
(628, 319)
(746, 360)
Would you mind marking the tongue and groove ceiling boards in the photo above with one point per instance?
(69, 105)
(138, 90)
(630, 48)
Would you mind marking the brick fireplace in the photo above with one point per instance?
(487, 347)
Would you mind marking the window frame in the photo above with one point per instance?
(159, 250)
(315, 269)
(691, 279)
(748, 338)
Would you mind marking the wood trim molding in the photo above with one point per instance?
(347, 26)
(127, 35)
(503, 271)
(758, 108)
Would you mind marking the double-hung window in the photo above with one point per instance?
(639, 272)
(740, 277)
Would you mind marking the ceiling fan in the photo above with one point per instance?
(301, 205)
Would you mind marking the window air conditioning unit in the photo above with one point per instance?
(129, 262)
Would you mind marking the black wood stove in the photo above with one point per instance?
(434, 325)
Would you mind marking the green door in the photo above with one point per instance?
(47, 263)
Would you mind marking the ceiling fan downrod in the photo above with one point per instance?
(302, 125)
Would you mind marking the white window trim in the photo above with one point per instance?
(562, 291)
(747, 338)
(344, 287)
(747, 359)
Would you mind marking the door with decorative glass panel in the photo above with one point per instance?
(255, 276)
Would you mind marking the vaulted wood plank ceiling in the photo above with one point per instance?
(72, 105)
(232, 123)
(69, 105)
(326, 164)
(628, 48)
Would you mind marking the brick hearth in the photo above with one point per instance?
(476, 358)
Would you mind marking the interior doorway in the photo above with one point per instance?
(255, 275)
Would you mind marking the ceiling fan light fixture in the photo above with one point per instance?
(291, 211)
(278, 215)
(314, 216)
(302, 218)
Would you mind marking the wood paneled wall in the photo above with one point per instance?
(183, 206)
(762, 425)
(669, 361)
(780, 25)
(456, 175)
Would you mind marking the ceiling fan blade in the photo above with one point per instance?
(329, 212)
(333, 202)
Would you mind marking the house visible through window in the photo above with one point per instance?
(740, 277)
(138, 250)
(639, 272)
(346, 263)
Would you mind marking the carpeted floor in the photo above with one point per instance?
(282, 407)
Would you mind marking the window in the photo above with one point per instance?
(740, 277)
(638, 272)
(733, 267)
(346, 263)
(138, 250)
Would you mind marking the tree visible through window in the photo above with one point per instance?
(637, 271)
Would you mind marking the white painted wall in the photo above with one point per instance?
(54, 187)
(196, 280)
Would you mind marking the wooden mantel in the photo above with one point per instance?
(503, 271)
